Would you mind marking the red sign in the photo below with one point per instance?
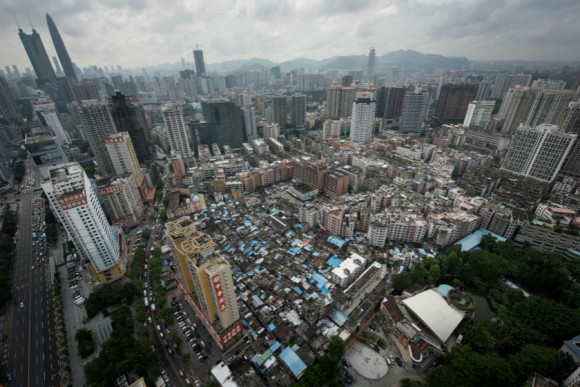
(72, 201)
(231, 333)
(219, 294)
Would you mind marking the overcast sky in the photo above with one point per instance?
(141, 33)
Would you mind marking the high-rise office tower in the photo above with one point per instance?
(38, 56)
(571, 124)
(453, 102)
(390, 102)
(74, 202)
(199, 63)
(131, 118)
(503, 82)
(250, 123)
(122, 201)
(178, 139)
(478, 113)
(533, 106)
(98, 125)
(298, 110)
(363, 117)
(538, 152)
(414, 112)
(208, 279)
(45, 109)
(8, 108)
(371, 65)
(122, 154)
(339, 100)
(225, 122)
(61, 50)
(279, 109)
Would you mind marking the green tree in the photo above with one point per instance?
(543, 360)
(146, 233)
(163, 215)
(402, 281)
(479, 338)
(151, 217)
(174, 337)
(166, 315)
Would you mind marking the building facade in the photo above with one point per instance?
(98, 125)
(178, 139)
(363, 117)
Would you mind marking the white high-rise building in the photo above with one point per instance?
(271, 131)
(75, 204)
(363, 117)
(478, 114)
(178, 139)
(123, 156)
(538, 152)
(250, 123)
(45, 109)
(415, 110)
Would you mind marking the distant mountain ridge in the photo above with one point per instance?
(402, 58)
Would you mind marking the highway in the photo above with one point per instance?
(33, 353)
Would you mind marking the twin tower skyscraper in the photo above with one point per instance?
(39, 58)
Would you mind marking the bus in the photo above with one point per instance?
(146, 302)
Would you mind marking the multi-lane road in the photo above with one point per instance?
(33, 358)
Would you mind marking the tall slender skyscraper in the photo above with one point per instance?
(178, 139)
(225, 122)
(37, 55)
(131, 118)
(74, 202)
(371, 65)
(199, 63)
(98, 125)
(363, 117)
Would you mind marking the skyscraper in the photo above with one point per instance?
(390, 102)
(208, 280)
(279, 109)
(225, 121)
(571, 124)
(178, 139)
(415, 110)
(123, 157)
(250, 123)
(538, 152)
(98, 125)
(363, 117)
(122, 201)
(453, 102)
(8, 109)
(371, 65)
(199, 63)
(478, 113)
(298, 110)
(45, 109)
(130, 117)
(74, 202)
(61, 51)
(37, 55)
(339, 100)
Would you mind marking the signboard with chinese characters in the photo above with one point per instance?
(219, 294)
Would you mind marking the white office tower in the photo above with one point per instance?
(478, 114)
(45, 110)
(363, 117)
(75, 204)
(178, 139)
(538, 152)
(123, 156)
(415, 108)
(250, 123)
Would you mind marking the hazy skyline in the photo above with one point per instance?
(142, 33)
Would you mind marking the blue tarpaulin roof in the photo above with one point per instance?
(293, 362)
(271, 327)
(473, 240)
(275, 346)
(338, 317)
(297, 290)
(338, 242)
(333, 261)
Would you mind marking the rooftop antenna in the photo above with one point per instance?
(197, 46)
(30, 21)
(16, 20)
